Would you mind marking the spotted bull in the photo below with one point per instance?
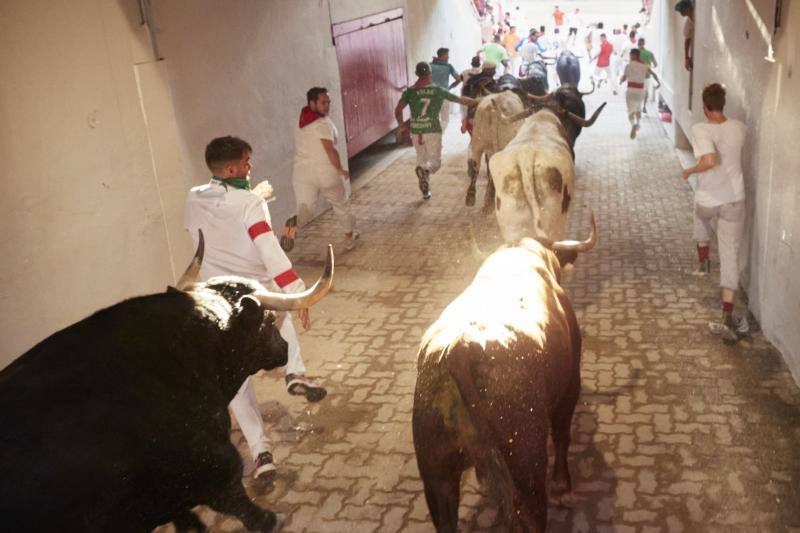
(496, 372)
(490, 135)
(535, 173)
(120, 422)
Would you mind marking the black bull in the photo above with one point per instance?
(568, 68)
(496, 372)
(120, 421)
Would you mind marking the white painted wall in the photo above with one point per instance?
(731, 43)
(252, 82)
(81, 206)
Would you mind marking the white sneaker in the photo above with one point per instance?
(350, 240)
(265, 469)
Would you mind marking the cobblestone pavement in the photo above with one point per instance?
(674, 431)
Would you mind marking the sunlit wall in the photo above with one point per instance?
(737, 44)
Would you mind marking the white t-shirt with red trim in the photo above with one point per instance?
(310, 158)
(635, 72)
(238, 236)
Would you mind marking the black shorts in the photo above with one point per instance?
(573, 31)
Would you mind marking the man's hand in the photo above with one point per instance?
(345, 173)
(686, 173)
(401, 130)
(305, 318)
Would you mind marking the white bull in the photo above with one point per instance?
(535, 177)
(490, 135)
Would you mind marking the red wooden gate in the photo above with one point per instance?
(372, 65)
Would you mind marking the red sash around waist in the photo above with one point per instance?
(635, 85)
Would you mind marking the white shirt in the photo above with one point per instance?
(724, 183)
(238, 237)
(529, 52)
(468, 73)
(625, 49)
(636, 71)
(688, 29)
(310, 158)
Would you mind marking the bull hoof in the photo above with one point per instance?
(270, 521)
(487, 209)
(470, 200)
(566, 500)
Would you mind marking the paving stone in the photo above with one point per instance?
(674, 431)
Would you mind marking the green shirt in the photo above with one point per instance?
(425, 103)
(647, 58)
(494, 52)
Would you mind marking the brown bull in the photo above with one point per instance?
(496, 372)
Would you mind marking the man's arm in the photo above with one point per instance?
(398, 114)
(687, 50)
(333, 157)
(655, 77)
(707, 162)
(278, 266)
(458, 79)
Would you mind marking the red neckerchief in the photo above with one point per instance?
(422, 82)
(307, 116)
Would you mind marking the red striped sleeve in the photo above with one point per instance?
(285, 278)
(259, 228)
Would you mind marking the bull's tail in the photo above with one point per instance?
(495, 464)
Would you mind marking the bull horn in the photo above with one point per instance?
(578, 246)
(582, 121)
(538, 99)
(590, 92)
(519, 116)
(189, 277)
(277, 301)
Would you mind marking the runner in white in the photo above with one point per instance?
(635, 74)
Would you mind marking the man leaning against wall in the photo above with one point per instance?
(719, 201)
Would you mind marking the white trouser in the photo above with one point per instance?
(612, 79)
(729, 222)
(444, 115)
(309, 183)
(429, 150)
(634, 98)
(245, 405)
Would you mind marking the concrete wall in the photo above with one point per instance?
(732, 43)
(100, 141)
(252, 83)
(82, 205)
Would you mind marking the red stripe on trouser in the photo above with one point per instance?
(258, 228)
(285, 278)
(634, 85)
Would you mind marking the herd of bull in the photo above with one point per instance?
(120, 422)
(500, 369)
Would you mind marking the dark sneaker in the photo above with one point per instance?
(742, 327)
(302, 385)
(265, 468)
(470, 199)
(289, 233)
(424, 186)
(703, 268)
(725, 328)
